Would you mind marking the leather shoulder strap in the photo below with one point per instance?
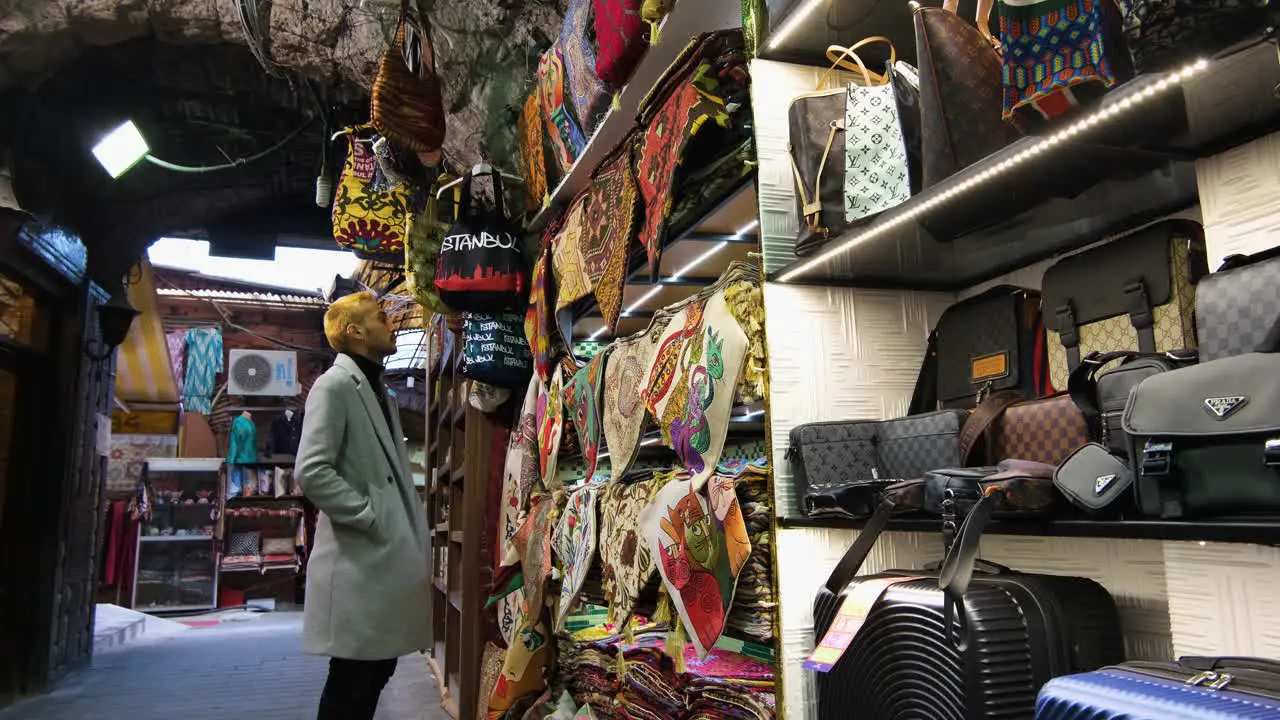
(983, 417)
(1082, 384)
(851, 563)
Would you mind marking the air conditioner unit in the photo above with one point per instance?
(263, 372)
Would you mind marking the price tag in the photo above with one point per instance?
(849, 619)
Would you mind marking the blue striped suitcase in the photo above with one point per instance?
(1193, 688)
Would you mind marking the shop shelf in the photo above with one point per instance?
(457, 475)
(440, 585)
(457, 536)
(1134, 162)
(1262, 531)
(684, 22)
(176, 538)
(265, 498)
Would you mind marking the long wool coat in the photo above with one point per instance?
(368, 579)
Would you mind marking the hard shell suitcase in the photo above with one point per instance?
(978, 650)
(1193, 688)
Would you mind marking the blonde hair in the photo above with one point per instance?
(345, 311)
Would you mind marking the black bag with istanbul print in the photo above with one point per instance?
(481, 268)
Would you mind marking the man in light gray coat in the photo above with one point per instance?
(369, 575)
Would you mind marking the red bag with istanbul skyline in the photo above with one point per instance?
(481, 268)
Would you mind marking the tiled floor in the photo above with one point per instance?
(237, 671)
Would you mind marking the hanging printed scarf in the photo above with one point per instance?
(700, 543)
(624, 382)
(533, 543)
(566, 137)
(608, 230)
(523, 668)
(568, 266)
(574, 543)
(582, 404)
(542, 333)
(204, 362)
(590, 96)
(692, 381)
(532, 155)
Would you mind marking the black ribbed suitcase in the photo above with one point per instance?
(980, 649)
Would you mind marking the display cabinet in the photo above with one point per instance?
(176, 561)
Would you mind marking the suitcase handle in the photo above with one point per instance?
(851, 563)
(957, 569)
(1208, 662)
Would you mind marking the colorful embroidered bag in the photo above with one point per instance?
(533, 163)
(590, 96)
(370, 218)
(609, 228)
(567, 140)
(481, 268)
(620, 39)
(407, 105)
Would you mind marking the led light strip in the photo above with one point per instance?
(1107, 113)
(680, 273)
(650, 441)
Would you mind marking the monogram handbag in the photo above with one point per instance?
(876, 168)
(960, 93)
(407, 106)
(481, 268)
(1206, 438)
(1044, 430)
(990, 342)
(816, 146)
(370, 215)
(1236, 305)
(1136, 293)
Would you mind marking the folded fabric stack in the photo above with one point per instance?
(650, 689)
(711, 699)
(232, 563)
(280, 562)
(588, 671)
(753, 605)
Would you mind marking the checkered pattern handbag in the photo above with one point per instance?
(1237, 305)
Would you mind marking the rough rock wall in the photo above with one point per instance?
(482, 46)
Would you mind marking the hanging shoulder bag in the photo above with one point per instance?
(481, 268)
(370, 212)
(407, 104)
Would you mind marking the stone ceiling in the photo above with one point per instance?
(71, 69)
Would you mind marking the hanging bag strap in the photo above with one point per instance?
(857, 553)
(813, 211)
(845, 58)
(464, 212)
(983, 418)
(499, 202)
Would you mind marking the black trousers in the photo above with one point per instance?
(353, 688)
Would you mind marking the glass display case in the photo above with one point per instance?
(176, 560)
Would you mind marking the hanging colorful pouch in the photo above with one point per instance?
(568, 266)
(582, 404)
(519, 476)
(481, 268)
(550, 427)
(692, 380)
(620, 39)
(370, 216)
(495, 351)
(524, 668)
(700, 544)
(590, 96)
(624, 382)
(533, 159)
(533, 543)
(625, 560)
(566, 136)
(574, 543)
(609, 226)
(422, 251)
(407, 104)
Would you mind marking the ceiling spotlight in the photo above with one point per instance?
(121, 149)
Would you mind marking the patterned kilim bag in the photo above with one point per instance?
(691, 93)
(533, 162)
(369, 218)
(590, 96)
(568, 267)
(620, 39)
(582, 405)
(610, 224)
(407, 106)
(624, 381)
(567, 140)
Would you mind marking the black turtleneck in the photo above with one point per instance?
(373, 373)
